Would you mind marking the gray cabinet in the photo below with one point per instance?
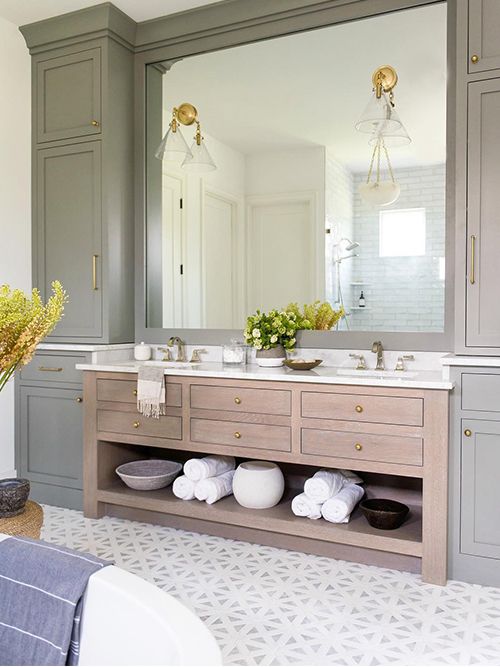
(68, 95)
(484, 28)
(68, 201)
(483, 228)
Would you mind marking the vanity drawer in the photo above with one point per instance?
(362, 446)
(240, 399)
(481, 392)
(125, 391)
(363, 408)
(53, 368)
(135, 424)
(241, 434)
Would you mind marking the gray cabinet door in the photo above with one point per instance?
(51, 436)
(483, 219)
(68, 234)
(68, 96)
(484, 28)
(480, 489)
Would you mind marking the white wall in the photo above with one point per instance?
(15, 187)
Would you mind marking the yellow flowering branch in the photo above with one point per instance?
(24, 323)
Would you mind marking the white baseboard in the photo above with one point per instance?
(6, 474)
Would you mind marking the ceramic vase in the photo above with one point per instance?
(258, 484)
(271, 358)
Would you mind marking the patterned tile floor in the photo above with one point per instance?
(268, 606)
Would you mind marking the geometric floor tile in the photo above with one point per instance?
(268, 606)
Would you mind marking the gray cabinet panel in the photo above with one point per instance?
(50, 367)
(68, 96)
(51, 435)
(480, 492)
(68, 248)
(481, 392)
(484, 28)
(483, 222)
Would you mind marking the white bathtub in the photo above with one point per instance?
(128, 621)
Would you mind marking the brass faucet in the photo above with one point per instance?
(175, 340)
(379, 351)
(361, 365)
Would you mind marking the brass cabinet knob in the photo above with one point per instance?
(474, 59)
(359, 408)
(95, 123)
(468, 432)
(79, 399)
(237, 400)
(358, 447)
(237, 435)
(134, 392)
(136, 424)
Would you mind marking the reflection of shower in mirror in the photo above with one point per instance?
(345, 245)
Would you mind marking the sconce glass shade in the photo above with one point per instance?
(199, 160)
(392, 138)
(381, 119)
(173, 147)
(380, 193)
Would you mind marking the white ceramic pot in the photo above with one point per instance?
(258, 484)
(271, 358)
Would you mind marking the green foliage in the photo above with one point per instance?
(320, 316)
(277, 327)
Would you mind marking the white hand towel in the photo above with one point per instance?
(151, 391)
(302, 505)
(209, 466)
(183, 488)
(351, 477)
(323, 485)
(338, 509)
(213, 489)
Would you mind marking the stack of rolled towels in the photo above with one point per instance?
(209, 479)
(331, 494)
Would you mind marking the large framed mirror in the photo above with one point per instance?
(285, 215)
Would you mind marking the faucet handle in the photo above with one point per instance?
(167, 354)
(361, 366)
(195, 356)
(400, 364)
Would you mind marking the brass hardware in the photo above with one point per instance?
(195, 356)
(472, 275)
(400, 365)
(468, 432)
(95, 123)
(358, 447)
(167, 355)
(377, 348)
(237, 435)
(474, 59)
(49, 369)
(175, 340)
(136, 424)
(186, 113)
(384, 79)
(79, 399)
(94, 271)
(361, 365)
(134, 392)
(359, 408)
(237, 400)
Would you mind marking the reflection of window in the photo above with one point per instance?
(402, 232)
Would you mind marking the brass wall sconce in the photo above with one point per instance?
(174, 148)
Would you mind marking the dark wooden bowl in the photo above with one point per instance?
(383, 513)
(14, 493)
(302, 365)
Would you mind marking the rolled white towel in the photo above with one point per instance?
(213, 489)
(338, 509)
(302, 505)
(351, 477)
(209, 466)
(183, 488)
(323, 485)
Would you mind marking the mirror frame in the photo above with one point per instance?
(235, 23)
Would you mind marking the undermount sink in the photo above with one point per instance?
(353, 372)
(172, 364)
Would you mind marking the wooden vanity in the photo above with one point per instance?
(395, 437)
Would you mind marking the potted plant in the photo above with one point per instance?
(321, 316)
(272, 333)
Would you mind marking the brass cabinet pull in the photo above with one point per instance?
(474, 59)
(472, 275)
(136, 424)
(94, 271)
(50, 369)
(237, 435)
(358, 447)
(237, 400)
(79, 399)
(95, 123)
(468, 432)
(359, 408)
(134, 392)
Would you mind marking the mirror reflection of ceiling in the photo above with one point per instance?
(309, 89)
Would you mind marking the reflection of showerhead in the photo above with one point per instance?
(351, 244)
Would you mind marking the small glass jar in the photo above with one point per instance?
(235, 353)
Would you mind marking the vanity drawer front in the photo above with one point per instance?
(481, 392)
(363, 408)
(53, 368)
(240, 399)
(125, 391)
(363, 446)
(240, 434)
(135, 424)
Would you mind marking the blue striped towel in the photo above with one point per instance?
(41, 596)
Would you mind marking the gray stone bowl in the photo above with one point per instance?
(149, 474)
(14, 493)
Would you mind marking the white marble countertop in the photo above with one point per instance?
(456, 360)
(421, 379)
(80, 347)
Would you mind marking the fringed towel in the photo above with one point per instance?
(151, 391)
